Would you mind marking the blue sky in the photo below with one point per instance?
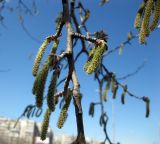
(116, 18)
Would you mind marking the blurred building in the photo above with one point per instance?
(66, 139)
(28, 132)
(25, 132)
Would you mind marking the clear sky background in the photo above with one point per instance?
(17, 52)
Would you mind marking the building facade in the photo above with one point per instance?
(25, 132)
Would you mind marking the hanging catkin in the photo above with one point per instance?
(156, 15)
(39, 83)
(94, 62)
(63, 114)
(45, 124)
(137, 22)
(52, 90)
(145, 28)
(39, 57)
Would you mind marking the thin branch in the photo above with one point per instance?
(139, 68)
(123, 43)
(85, 37)
(29, 34)
(121, 85)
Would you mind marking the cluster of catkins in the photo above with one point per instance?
(111, 83)
(95, 57)
(147, 18)
(41, 75)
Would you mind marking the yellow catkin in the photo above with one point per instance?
(39, 84)
(113, 83)
(106, 90)
(39, 57)
(146, 18)
(105, 94)
(86, 65)
(45, 124)
(41, 80)
(63, 114)
(35, 86)
(55, 46)
(51, 91)
(156, 15)
(142, 34)
(137, 22)
(91, 53)
(96, 58)
(114, 86)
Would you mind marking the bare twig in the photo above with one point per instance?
(139, 68)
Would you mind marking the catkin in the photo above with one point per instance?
(91, 109)
(41, 80)
(55, 46)
(113, 83)
(39, 57)
(63, 114)
(124, 94)
(35, 86)
(106, 90)
(115, 91)
(90, 57)
(142, 34)
(147, 101)
(92, 52)
(39, 83)
(45, 124)
(147, 14)
(96, 58)
(86, 65)
(51, 90)
(137, 22)
(147, 108)
(145, 29)
(156, 15)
